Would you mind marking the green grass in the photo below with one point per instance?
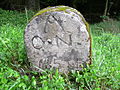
(103, 74)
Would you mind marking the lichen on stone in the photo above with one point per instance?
(58, 37)
(64, 8)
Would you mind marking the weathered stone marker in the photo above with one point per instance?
(58, 37)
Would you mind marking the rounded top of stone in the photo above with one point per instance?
(56, 8)
(65, 9)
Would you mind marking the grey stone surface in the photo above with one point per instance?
(58, 39)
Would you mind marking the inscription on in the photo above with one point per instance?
(58, 39)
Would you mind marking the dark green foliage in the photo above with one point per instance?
(103, 74)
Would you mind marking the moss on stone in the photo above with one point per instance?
(62, 8)
(51, 9)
